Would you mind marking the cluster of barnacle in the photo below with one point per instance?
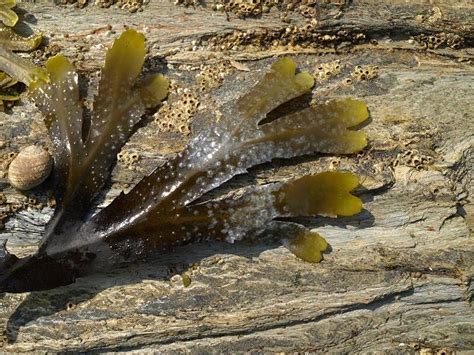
(336, 74)
(306, 36)
(236, 39)
(130, 5)
(8, 208)
(253, 8)
(104, 3)
(434, 16)
(243, 8)
(176, 113)
(212, 76)
(325, 71)
(310, 12)
(413, 159)
(187, 3)
(129, 158)
(51, 49)
(5, 160)
(30, 201)
(440, 40)
(365, 72)
(78, 3)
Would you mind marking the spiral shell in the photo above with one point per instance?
(30, 167)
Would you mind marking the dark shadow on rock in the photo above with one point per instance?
(160, 267)
(362, 220)
(26, 16)
(287, 108)
(24, 20)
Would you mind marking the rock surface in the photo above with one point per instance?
(399, 276)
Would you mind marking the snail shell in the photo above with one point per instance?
(30, 167)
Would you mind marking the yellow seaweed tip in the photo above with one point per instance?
(154, 90)
(130, 39)
(8, 3)
(326, 194)
(36, 40)
(124, 60)
(57, 66)
(355, 112)
(39, 76)
(308, 246)
(287, 67)
(304, 80)
(8, 16)
(358, 142)
(54, 70)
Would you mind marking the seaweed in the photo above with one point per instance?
(171, 205)
(7, 15)
(11, 41)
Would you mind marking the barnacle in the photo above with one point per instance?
(212, 76)
(365, 72)
(130, 5)
(169, 206)
(176, 113)
(327, 70)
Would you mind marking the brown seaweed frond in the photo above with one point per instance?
(170, 206)
(82, 166)
(325, 194)
(235, 144)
